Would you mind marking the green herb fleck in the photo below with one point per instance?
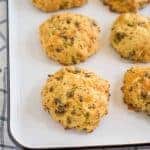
(70, 93)
(119, 37)
(61, 108)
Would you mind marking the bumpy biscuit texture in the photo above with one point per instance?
(69, 38)
(123, 6)
(136, 89)
(53, 5)
(76, 98)
(130, 37)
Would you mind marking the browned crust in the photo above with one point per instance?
(52, 9)
(135, 9)
(129, 105)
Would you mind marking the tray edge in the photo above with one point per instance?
(16, 142)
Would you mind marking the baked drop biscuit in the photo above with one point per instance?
(123, 6)
(53, 5)
(69, 38)
(76, 98)
(136, 89)
(130, 37)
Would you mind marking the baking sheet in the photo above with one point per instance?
(30, 126)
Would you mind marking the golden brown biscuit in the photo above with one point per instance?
(123, 6)
(69, 38)
(76, 98)
(53, 5)
(130, 37)
(136, 89)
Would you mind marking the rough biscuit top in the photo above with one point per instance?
(136, 89)
(53, 5)
(130, 37)
(123, 6)
(76, 98)
(69, 38)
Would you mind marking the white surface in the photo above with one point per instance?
(29, 67)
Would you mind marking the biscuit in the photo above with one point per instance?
(130, 37)
(136, 89)
(69, 38)
(123, 6)
(76, 98)
(53, 5)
